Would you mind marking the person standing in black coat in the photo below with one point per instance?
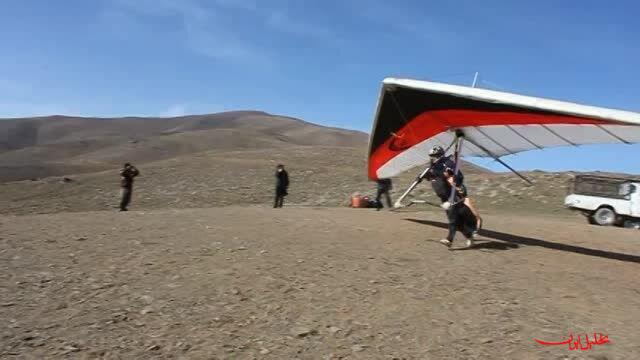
(282, 186)
(127, 174)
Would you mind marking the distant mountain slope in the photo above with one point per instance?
(21, 133)
(55, 145)
(218, 160)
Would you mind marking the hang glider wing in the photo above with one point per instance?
(413, 116)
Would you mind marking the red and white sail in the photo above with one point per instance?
(413, 116)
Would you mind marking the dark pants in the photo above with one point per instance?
(280, 194)
(126, 197)
(460, 219)
(388, 198)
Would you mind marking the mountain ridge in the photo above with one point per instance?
(45, 146)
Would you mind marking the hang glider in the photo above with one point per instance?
(413, 116)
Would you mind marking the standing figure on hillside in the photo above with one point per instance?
(384, 186)
(127, 173)
(282, 186)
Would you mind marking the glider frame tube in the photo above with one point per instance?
(413, 185)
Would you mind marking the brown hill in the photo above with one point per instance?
(217, 160)
(191, 161)
(57, 145)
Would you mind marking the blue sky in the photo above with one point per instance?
(322, 61)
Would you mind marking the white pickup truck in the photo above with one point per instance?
(606, 200)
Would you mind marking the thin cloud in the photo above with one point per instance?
(209, 30)
(276, 16)
(403, 22)
(203, 28)
(248, 5)
(282, 21)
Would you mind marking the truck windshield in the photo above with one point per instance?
(625, 189)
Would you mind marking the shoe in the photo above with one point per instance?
(445, 242)
(470, 242)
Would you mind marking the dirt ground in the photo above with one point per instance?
(312, 283)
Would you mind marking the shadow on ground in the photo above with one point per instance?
(523, 240)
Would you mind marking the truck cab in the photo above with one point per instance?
(606, 200)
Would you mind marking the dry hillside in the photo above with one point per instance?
(192, 161)
(216, 160)
(59, 145)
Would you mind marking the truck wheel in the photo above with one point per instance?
(604, 216)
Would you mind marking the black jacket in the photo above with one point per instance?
(127, 176)
(438, 168)
(282, 179)
(438, 181)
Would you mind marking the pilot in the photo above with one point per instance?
(441, 175)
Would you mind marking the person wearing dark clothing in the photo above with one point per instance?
(127, 174)
(384, 186)
(436, 173)
(461, 213)
(282, 186)
(440, 165)
(460, 219)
